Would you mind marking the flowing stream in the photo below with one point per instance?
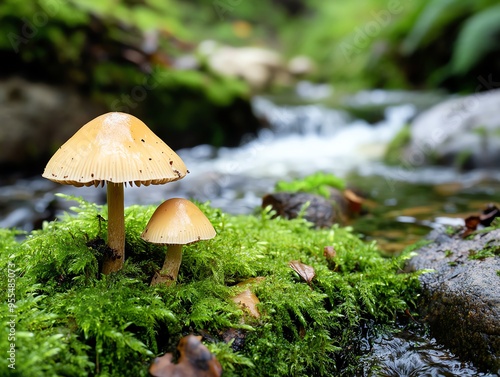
(301, 139)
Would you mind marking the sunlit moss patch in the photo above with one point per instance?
(72, 321)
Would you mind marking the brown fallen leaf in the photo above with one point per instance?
(329, 252)
(248, 301)
(305, 272)
(484, 219)
(354, 202)
(472, 222)
(195, 361)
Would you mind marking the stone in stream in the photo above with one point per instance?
(461, 298)
(463, 132)
(320, 211)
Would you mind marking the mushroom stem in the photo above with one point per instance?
(170, 269)
(116, 228)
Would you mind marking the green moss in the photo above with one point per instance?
(394, 151)
(70, 320)
(317, 183)
(495, 224)
(488, 251)
(451, 230)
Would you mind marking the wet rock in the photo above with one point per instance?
(314, 208)
(462, 132)
(372, 105)
(35, 119)
(461, 298)
(410, 353)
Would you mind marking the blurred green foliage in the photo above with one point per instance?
(111, 47)
(376, 43)
(394, 44)
(123, 54)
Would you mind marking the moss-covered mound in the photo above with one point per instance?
(69, 320)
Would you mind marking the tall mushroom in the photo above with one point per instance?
(114, 148)
(176, 222)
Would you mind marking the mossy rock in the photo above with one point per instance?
(460, 294)
(71, 320)
(461, 132)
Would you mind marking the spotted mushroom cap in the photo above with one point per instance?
(178, 221)
(114, 147)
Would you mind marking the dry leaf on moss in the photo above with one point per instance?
(329, 252)
(195, 361)
(305, 272)
(248, 301)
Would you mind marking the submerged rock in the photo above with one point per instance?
(462, 132)
(461, 297)
(37, 118)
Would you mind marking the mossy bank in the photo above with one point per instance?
(69, 320)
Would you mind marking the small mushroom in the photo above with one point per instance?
(176, 222)
(114, 148)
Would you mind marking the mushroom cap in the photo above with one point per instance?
(114, 147)
(178, 221)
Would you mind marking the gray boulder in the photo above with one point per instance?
(461, 298)
(463, 132)
(35, 119)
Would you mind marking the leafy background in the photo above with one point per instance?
(110, 51)
(103, 46)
